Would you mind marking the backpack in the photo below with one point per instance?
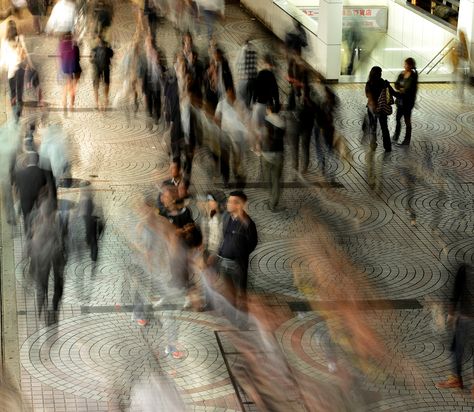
(101, 57)
(384, 103)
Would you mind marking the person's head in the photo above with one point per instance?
(375, 74)
(12, 31)
(236, 202)
(212, 203)
(410, 64)
(268, 60)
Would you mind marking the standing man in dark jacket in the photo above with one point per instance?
(239, 241)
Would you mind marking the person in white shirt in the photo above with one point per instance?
(14, 59)
(232, 137)
(63, 18)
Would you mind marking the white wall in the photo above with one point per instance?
(415, 32)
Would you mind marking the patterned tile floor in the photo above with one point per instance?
(350, 240)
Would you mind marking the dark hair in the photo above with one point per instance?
(268, 59)
(411, 62)
(240, 194)
(12, 30)
(375, 74)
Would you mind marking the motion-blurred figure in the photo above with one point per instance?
(461, 317)
(14, 58)
(232, 138)
(48, 250)
(93, 221)
(301, 111)
(153, 81)
(239, 241)
(211, 11)
(103, 12)
(30, 182)
(247, 72)
(272, 154)
(63, 18)
(460, 60)
(9, 147)
(407, 87)
(101, 58)
(353, 40)
(69, 55)
(53, 152)
(296, 40)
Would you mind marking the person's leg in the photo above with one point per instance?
(59, 263)
(225, 158)
(276, 172)
(460, 341)
(373, 129)
(293, 139)
(305, 142)
(408, 127)
(398, 126)
(95, 85)
(387, 144)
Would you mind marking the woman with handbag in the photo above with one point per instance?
(407, 87)
(379, 99)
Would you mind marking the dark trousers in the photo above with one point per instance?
(405, 112)
(235, 277)
(272, 169)
(323, 141)
(153, 104)
(382, 119)
(16, 84)
(299, 131)
(464, 337)
(41, 274)
(92, 235)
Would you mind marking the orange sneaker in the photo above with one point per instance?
(453, 382)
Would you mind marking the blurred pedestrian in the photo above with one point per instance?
(461, 317)
(239, 241)
(63, 17)
(48, 250)
(101, 58)
(38, 9)
(69, 55)
(233, 138)
(301, 113)
(246, 72)
(211, 11)
(407, 87)
(272, 155)
(265, 93)
(461, 62)
(376, 90)
(93, 221)
(103, 12)
(30, 182)
(9, 147)
(14, 59)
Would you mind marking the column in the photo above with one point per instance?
(330, 38)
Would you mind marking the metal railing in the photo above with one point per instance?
(439, 57)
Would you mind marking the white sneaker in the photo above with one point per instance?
(159, 302)
(332, 367)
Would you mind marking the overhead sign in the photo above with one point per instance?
(368, 17)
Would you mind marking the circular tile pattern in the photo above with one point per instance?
(342, 211)
(95, 356)
(307, 341)
(274, 266)
(449, 209)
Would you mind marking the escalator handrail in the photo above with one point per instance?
(436, 56)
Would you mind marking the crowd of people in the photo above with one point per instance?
(200, 101)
